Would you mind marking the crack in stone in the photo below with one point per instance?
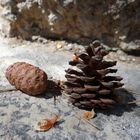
(7, 90)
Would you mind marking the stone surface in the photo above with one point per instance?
(20, 112)
(116, 23)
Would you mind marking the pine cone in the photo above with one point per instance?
(27, 78)
(88, 82)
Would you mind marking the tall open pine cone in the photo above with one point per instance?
(88, 82)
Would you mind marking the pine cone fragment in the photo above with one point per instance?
(27, 78)
(88, 82)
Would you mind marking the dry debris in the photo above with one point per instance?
(89, 115)
(46, 124)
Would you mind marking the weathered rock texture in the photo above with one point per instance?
(115, 22)
(19, 113)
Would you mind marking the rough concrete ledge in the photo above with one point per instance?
(20, 112)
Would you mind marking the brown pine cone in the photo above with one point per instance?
(88, 82)
(27, 78)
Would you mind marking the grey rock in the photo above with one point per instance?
(131, 47)
(2, 113)
(3, 131)
(68, 47)
(20, 112)
(18, 129)
(19, 115)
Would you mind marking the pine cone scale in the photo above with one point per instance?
(104, 92)
(91, 88)
(107, 84)
(112, 78)
(71, 71)
(90, 96)
(75, 96)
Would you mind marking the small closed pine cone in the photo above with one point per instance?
(27, 78)
(88, 82)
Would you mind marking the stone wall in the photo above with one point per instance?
(115, 22)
